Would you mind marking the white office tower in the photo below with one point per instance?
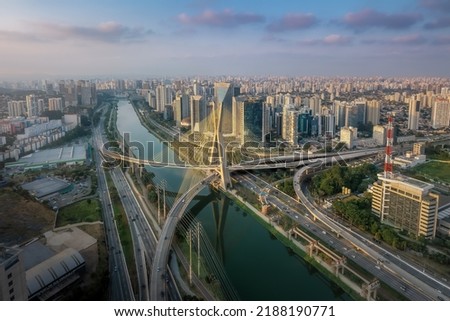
(413, 114)
(440, 113)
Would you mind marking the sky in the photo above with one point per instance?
(86, 38)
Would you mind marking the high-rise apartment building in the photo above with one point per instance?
(406, 203)
(32, 106)
(17, 108)
(55, 104)
(289, 131)
(413, 113)
(440, 113)
(373, 112)
(163, 97)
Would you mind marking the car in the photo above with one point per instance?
(296, 216)
(377, 267)
(115, 268)
(158, 269)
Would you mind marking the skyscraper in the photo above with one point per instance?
(223, 94)
(355, 114)
(289, 131)
(17, 108)
(373, 112)
(440, 113)
(198, 113)
(251, 119)
(160, 98)
(413, 113)
(32, 107)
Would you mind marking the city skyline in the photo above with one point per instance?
(207, 37)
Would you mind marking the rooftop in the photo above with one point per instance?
(45, 186)
(415, 183)
(50, 156)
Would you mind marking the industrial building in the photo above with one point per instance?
(46, 186)
(73, 155)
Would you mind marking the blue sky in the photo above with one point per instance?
(50, 38)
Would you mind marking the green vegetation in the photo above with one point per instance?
(434, 170)
(330, 182)
(437, 152)
(83, 211)
(287, 187)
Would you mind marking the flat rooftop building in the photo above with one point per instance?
(73, 155)
(46, 186)
(406, 203)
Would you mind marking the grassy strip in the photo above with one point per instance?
(124, 230)
(285, 241)
(88, 210)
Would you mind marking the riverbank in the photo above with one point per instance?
(299, 249)
(293, 271)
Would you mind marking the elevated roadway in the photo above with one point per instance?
(160, 259)
(399, 274)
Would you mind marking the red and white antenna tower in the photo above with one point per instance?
(389, 142)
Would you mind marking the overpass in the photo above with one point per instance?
(276, 162)
(159, 267)
(428, 285)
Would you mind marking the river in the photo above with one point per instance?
(259, 266)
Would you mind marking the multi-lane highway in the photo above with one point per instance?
(121, 289)
(416, 283)
(159, 270)
(378, 263)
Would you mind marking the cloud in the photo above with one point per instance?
(13, 36)
(414, 39)
(109, 32)
(369, 18)
(440, 23)
(332, 39)
(438, 5)
(442, 40)
(272, 38)
(225, 19)
(293, 21)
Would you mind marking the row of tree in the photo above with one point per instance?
(330, 182)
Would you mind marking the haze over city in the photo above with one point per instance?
(200, 37)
